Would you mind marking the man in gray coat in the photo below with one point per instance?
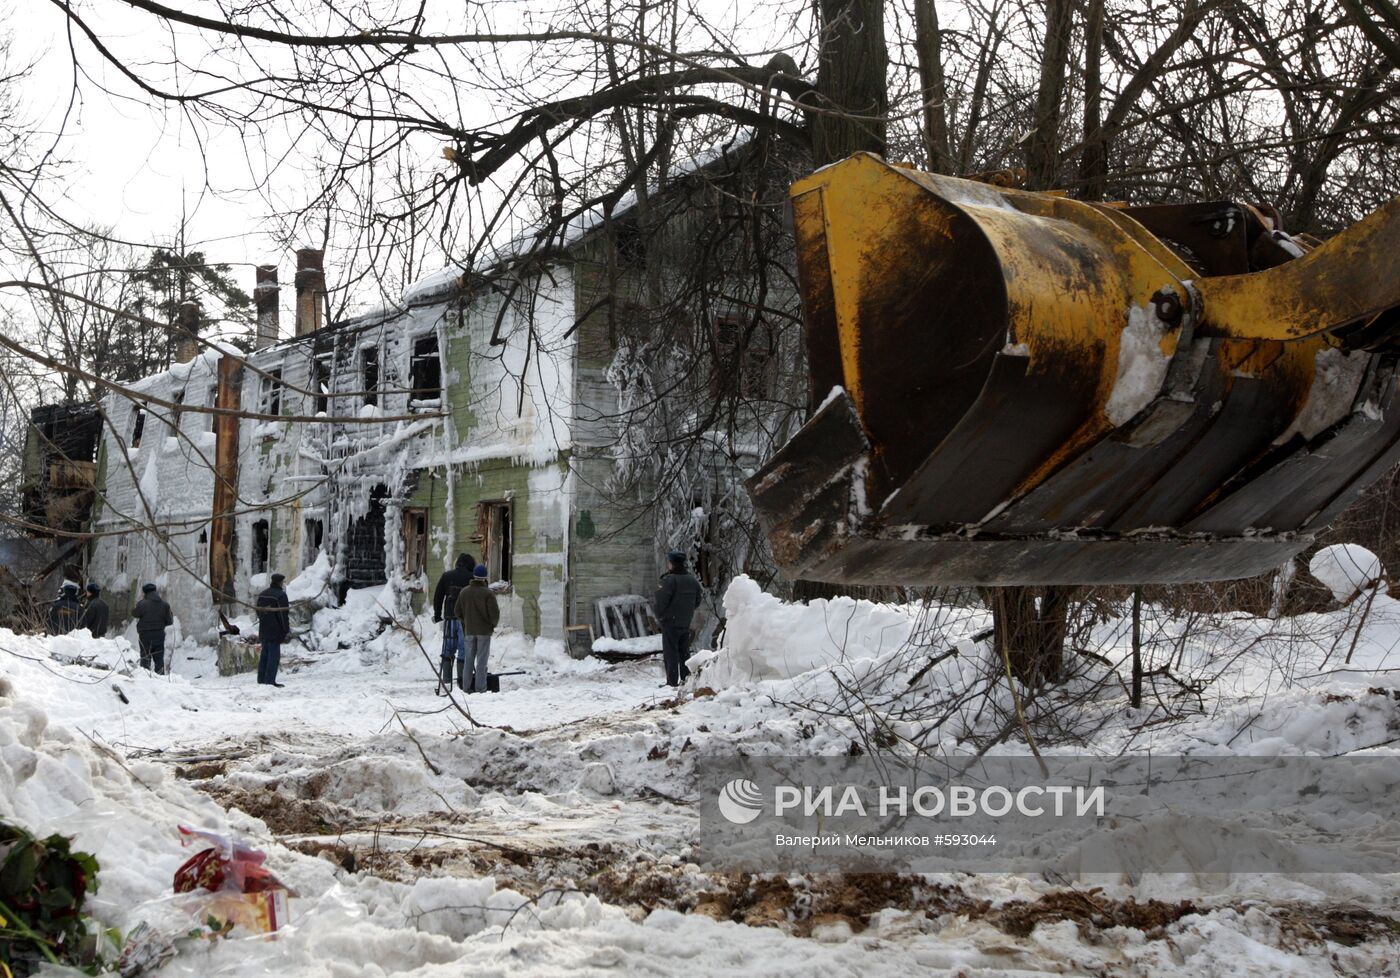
(676, 600)
(479, 614)
(153, 617)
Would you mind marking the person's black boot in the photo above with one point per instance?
(463, 676)
(445, 676)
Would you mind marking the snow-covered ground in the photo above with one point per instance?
(546, 830)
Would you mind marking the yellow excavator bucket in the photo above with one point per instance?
(1021, 388)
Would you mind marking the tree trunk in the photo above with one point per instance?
(851, 102)
(1136, 697)
(929, 42)
(1032, 632)
(1093, 170)
(852, 106)
(1043, 148)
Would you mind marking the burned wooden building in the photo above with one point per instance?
(500, 416)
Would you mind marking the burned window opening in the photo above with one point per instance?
(425, 373)
(138, 425)
(313, 536)
(415, 542)
(741, 368)
(321, 384)
(364, 552)
(630, 244)
(369, 374)
(271, 397)
(213, 403)
(495, 530)
(178, 399)
(261, 545)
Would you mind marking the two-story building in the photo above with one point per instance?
(494, 413)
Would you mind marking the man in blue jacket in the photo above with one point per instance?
(274, 628)
(449, 585)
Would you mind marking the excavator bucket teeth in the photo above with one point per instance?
(1028, 389)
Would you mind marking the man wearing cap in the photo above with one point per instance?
(677, 597)
(65, 612)
(480, 614)
(95, 612)
(274, 628)
(153, 617)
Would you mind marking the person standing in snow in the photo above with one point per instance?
(677, 597)
(274, 628)
(153, 617)
(480, 614)
(95, 612)
(65, 611)
(449, 585)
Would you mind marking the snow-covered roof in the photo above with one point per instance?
(580, 228)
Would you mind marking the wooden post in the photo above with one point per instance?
(1137, 648)
(222, 574)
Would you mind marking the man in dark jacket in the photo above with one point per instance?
(676, 600)
(153, 617)
(95, 612)
(274, 628)
(65, 612)
(480, 614)
(449, 585)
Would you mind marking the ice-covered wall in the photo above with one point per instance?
(501, 431)
(508, 439)
(161, 490)
(504, 404)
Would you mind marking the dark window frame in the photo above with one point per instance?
(425, 369)
(321, 384)
(270, 393)
(415, 541)
(370, 374)
(262, 546)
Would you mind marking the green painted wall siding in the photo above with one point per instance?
(613, 543)
(535, 577)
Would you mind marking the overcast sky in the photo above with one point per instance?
(135, 166)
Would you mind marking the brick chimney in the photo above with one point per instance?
(186, 327)
(266, 294)
(311, 289)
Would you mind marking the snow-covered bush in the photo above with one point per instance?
(1347, 569)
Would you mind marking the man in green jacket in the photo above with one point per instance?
(480, 614)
